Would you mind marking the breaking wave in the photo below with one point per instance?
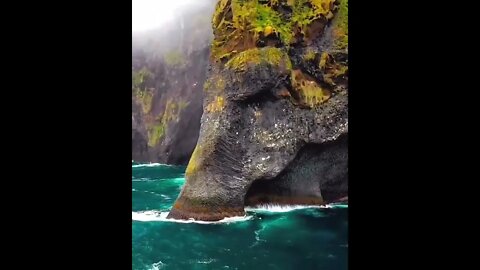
(162, 217)
(275, 208)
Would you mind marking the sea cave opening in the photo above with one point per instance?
(316, 176)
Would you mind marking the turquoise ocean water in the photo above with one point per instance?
(268, 237)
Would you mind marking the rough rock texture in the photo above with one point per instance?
(169, 68)
(318, 173)
(275, 116)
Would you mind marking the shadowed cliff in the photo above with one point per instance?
(169, 67)
(274, 127)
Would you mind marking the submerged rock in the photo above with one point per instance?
(274, 127)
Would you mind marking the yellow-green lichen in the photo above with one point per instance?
(218, 20)
(242, 26)
(340, 71)
(307, 11)
(269, 55)
(313, 94)
(232, 28)
(145, 98)
(214, 83)
(139, 78)
(143, 95)
(323, 60)
(171, 112)
(331, 69)
(216, 105)
(334, 73)
(155, 133)
(340, 25)
(159, 128)
(239, 24)
(309, 55)
(193, 164)
(310, 92)
(269, 21)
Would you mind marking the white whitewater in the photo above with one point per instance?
(162, 217)
(275, 208)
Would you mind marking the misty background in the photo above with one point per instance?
(170, 51)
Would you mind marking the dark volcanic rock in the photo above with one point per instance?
(318, 173)
(275, 116)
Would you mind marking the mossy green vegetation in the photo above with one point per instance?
(193, 164)
(269, 55)
(309, 55)
(232, 26)
(310, 92)
(145, 99)
(159, 128)
(155, 133)
(216, 105)
(140, 77)
(174, 59)
(241, 27)
(313, 94)
(171, 112)
(323, 60)
(143, 95)
(307, 11)
(333, 73)
(215, 83)
(239, 24)
(340, 25)
(268, 21)
(331, 69)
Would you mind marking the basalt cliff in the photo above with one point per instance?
(169, 68)
(274, 127)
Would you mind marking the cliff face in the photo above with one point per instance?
(275, 117)
(168, 72)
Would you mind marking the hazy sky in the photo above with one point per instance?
(149, 14)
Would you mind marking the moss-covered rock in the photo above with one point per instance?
(271, 56)
(240, 25)
(278, 86)
(340, 26)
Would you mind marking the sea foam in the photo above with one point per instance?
(275, 208)
(157, 266)
(162, 217)
(149, 165)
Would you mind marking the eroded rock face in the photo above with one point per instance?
(275, 116)
(317, 174)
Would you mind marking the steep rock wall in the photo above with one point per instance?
(169, 68)
(275, 116)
